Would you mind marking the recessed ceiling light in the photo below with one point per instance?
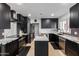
(52, 14)
(64, 4)
(29, 14)
(19, 3)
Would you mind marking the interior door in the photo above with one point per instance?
(36, 29)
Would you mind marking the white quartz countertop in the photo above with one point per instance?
(41, 38)
(7, 40)
(69, 37)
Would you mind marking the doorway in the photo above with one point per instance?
(36, 29)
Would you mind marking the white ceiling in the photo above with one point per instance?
(41, 9)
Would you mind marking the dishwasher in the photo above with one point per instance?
(62, 44)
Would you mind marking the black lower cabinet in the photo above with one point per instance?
(0, 50)
(30, 37)
(10, 49)
(26, 39)
(54, 39)
(41, 48)
(72, 48)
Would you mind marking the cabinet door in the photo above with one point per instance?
(0, 50)
(53, 38)
(4, 16)
(72, 48)
(12, 47)
(74, 16)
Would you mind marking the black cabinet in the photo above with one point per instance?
(13, 16)
(74, 16)
(54, 40)
(12, 48)
(41, 48)
(24, 27)
(71, 48)
(19, 18)
(0, 50)
(4, 16)
(22, 22)
(26, 39)
(1, 31)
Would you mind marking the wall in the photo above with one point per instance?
(65, 27)
(28, 26)
(40, 29)
(12, 31)
(48, 30)
(37, 29)
(75, 31)
(32, 29)
(64, 23)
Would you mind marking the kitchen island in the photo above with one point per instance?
(41, 45)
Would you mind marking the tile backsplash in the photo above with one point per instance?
(12, 31)
(75, 31)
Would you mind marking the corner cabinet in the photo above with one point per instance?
(4, 16)
(74, 16)
(72, 48)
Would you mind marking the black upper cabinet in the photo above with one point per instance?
(24, 27)
(22, 22)
(4, 16)
(19, 17)
(74, 16)
(13, 16)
